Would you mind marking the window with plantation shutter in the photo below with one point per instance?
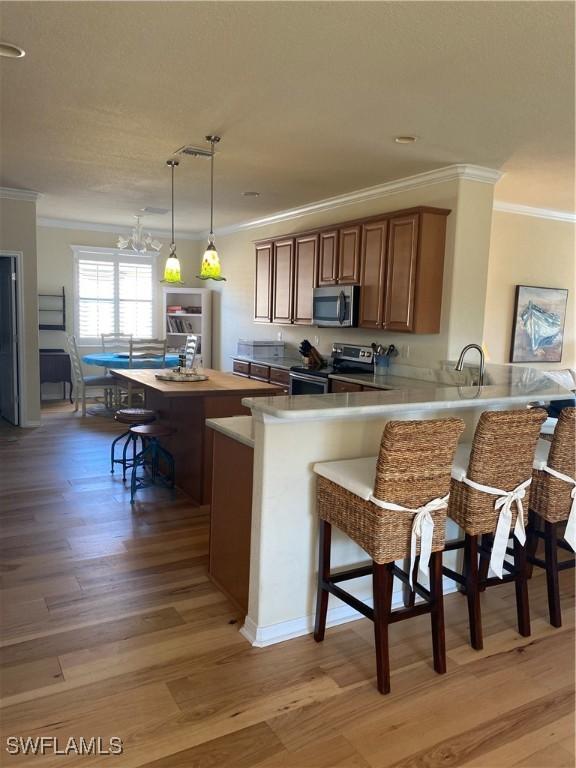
(114, 294)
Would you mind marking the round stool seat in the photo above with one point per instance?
(135, 415)
(152, 430)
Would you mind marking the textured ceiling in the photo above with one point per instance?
(307, 97)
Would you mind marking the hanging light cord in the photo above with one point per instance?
(172, 164)
(212, 188)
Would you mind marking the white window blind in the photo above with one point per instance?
(115, 294)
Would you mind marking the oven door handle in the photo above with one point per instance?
(305, 377)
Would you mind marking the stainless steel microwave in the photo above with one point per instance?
(336, 305)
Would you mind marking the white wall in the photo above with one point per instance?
(466, 265)
(526, 250)
(56, 269)
(18, 233)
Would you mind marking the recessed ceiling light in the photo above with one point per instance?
(405, 139)
(154, 211)
(11, 51)
(250, 194)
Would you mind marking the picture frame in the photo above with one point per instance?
(538, 324)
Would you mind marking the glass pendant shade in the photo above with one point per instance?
(172, 273)
(211, 269)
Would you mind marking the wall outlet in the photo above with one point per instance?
(316, 341)
(279, 335)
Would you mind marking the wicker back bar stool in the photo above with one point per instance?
(553, 503)
(132, 417)
(490, 479)
(393, 506)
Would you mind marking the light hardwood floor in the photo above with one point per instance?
(111, 627)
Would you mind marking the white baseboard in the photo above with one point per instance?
(261, 636)
(31, 424)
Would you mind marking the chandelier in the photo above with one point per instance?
(138, 241)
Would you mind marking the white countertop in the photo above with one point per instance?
(382, 381)
(237, 427)
(513, 386)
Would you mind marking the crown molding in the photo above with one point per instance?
(8, 193)
(539, 213)
(459, 172)
(165, 234)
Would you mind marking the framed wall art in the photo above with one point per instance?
(538, 324)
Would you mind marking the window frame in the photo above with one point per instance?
(114, 256)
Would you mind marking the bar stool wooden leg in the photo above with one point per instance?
(382, 580)
(531, 541)
(325, 538)
(484, 565)
(521, 584)
(437, 613)
(551, 555)
(472, 591)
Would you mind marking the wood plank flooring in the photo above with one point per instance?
(111, 627)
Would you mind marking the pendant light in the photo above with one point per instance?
(172, 269)
(210, 269)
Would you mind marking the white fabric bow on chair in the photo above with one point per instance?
(502, 533)
(422, 528)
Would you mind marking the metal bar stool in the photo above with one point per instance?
(490, 478)
(393, 506)
(553, 502)
(131, 417)
(151, 457)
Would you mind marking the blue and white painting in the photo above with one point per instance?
(538, 324)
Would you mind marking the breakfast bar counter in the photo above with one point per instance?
(185, 406)
(291, 434)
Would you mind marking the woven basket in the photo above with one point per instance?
(413, 468)
(550, 497)
(501, 457)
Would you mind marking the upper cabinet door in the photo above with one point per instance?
(401, 273)
(283, 271)
(328, 258)
(305, 258)
(349, 256)
(263, 283)
(372, 276)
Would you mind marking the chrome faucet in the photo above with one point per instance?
(460, 363)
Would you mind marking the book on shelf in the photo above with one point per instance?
(180, 325)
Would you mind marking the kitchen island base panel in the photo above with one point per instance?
(230, 518)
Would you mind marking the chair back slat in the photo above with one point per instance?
(503, 447)
(77, 372)
(415, 460)
(151, 349)
(190, 350)
(116, 342)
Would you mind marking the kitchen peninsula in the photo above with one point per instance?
(290, 434)
(185, 406)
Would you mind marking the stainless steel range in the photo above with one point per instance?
(345, 358)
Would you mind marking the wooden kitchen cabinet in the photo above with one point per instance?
(349, 256)
(402, 272)
(282, 281)
(328, 258)
(263, 283)
(339, 256)
(305, 263)
(344, 386)
(374, 238)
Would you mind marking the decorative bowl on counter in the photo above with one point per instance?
(181, 374)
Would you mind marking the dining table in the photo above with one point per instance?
(122, 360)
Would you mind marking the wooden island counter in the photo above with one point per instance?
(185, 406)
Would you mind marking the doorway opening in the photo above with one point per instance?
(10, 335)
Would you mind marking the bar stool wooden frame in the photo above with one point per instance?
(410, 478)
(550, 504)
(501, 456)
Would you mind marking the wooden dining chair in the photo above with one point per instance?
(81, 382)
(152, 352)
